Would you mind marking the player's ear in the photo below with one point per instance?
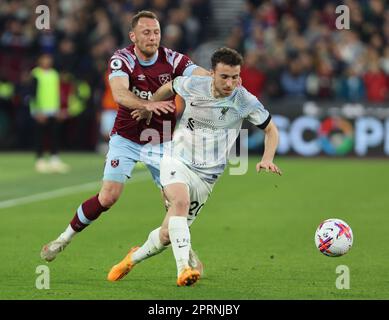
(212, 72)
(131, 35)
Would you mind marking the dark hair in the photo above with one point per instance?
(142, 14)
(226, 56)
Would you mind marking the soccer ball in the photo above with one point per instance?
(333, 237)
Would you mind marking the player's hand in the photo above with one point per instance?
(268, 166)
(160, 106)
(138, 115)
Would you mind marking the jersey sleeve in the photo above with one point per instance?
(186, 66)
(257, 115)
(182, 86)
(120, 66)
(182, 65)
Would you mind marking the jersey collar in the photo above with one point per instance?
(147, 63)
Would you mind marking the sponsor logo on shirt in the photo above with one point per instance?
(208, 104)
(142, 93)
(190, 124)
(200, 103)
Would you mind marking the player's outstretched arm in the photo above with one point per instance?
(271, 143)
(199, 71)
(124, 97)
(164, 92)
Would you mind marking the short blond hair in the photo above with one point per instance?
(142, 14)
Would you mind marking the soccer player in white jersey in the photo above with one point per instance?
(215, 109)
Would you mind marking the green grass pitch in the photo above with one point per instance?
(254, 235)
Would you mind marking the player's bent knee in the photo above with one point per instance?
(110, 193)
(108, 199)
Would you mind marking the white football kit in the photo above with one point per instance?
(205, 135)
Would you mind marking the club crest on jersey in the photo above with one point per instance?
(224, 110)
(164, 78)
(114, 163)
(223, 113)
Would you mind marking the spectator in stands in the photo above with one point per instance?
(384, 60)
(310, 26)
(84, 34)
(253, 79)
(350, 86)
(273, 72)
(320, 83)
(375, 81)
(293, 79)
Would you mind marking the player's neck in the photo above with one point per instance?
(143, 58)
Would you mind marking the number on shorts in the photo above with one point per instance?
(195, 208)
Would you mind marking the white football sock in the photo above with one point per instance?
(180, 239)
(68, 234)
(150, 248)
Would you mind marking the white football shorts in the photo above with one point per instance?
(174, 171)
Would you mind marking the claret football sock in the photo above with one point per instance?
(150, 248)
(180, 239)
(86, 213)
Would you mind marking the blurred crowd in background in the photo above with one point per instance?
(292, 49)
(82, 37)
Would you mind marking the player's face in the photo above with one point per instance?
(146, 36)
(225, 79)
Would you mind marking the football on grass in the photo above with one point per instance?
(334, 237)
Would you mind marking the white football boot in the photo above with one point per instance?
(50, 251)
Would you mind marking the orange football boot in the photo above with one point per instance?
(188, 277)
(120, 270)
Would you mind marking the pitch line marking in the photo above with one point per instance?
(61, 192)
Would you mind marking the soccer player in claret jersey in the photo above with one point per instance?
(135, 73)
(215, 109)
